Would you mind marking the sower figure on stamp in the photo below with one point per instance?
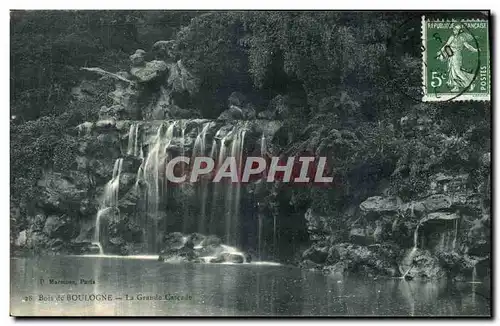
(452, 51)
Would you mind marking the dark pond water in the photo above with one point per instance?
(224, 290)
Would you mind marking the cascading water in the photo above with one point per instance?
(226, 195)
(263, 150)
(218, 187)
(454, 243)
(212, 227)
(415, 237)
(133, 147)
(234, 209)
(442, 241)
(155, 162)
(200, 149)
(109, 200)
(413, 251)
(151, 173)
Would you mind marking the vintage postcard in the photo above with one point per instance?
(250, 163)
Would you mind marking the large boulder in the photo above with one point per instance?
(368, 260)
(59, 193)
(238, 108)
(137, 59)
(197, 239)
(37, 241)
(151, 71)
(105, 124)
(440, 216)
(318, 226)
(180, 79)
(421, 264)
(174, 240)
(116, 112)
(228, 257)
(164, 49)
(380, 205)
(182, 252)
(120, 232)
(433, 203)
(233, 113)
(233, 258)
(316, 254)
(359, 235)
(60, 226)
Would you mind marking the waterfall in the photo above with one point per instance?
(212, 227)
(133, 147)
(109, 200)
(227, 195)
(110, 195)
(200, 149)
(237, 152)
(225, 192)
(151, 173)
(259, 245)
(98, 244)
(415, 237)
(263, 151)
(409, 258)
(183, 150)
(411, 255)
(454, 243)
(233, 191)
(274, 236)
(151, 169)
(442, 241)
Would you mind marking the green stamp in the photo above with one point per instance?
(456, 60)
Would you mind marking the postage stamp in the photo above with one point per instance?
(455, 60)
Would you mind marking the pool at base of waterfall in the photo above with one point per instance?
(106, 286)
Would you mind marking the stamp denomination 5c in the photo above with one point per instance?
(455, 60)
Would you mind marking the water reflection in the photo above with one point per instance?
(228, 290)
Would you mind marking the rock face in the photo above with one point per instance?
(164, 48)
(442, 233)
(181, 80)
(150, 71)
(137, 59)
(63, 192)
(239, 109)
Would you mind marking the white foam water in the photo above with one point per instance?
(143, 257)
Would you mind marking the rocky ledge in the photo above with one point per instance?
(444, 233)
